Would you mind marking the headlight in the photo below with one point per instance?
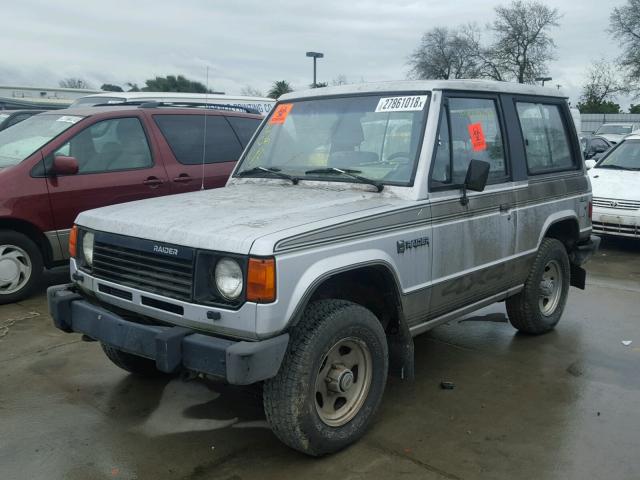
(87, 247)
(228, 278)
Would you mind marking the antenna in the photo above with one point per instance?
(204, 134)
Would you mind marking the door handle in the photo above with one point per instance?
(183, 178)
(153, 182)
(505, 208)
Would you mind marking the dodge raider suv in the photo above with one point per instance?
(56, 164)
(358, 217)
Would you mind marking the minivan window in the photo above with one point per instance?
(115, 144)
(244, 127)
(27, 137)
(546, 141)
(185, 135)
(469, 130)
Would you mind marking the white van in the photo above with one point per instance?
(262, 105)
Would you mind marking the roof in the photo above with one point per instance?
(428, 85)
(50, 89)
(633, 136)
(153, 95)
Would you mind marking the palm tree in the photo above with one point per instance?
(279, 87)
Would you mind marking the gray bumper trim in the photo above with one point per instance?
(172, 348)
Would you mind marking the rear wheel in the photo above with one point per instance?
(143, 367)
(21, 266)
(331, 380)
(539, 306)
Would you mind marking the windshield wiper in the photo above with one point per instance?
(273, 171)
(348, 173)
(618, 167)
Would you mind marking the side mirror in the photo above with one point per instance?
(476, 178)
(590, 164)
(63, 165)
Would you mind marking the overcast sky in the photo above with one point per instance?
(255, 42)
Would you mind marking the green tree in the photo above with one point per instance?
(109, 87)
(600, 89)
(173, 83)
(634, 108)
(132, 87)
(279, 87)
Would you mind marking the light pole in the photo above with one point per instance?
(315, 56)
(543, 79)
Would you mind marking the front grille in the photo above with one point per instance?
(617, 204)
(169, 277)
(616, 229)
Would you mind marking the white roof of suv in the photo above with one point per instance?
(424, 85)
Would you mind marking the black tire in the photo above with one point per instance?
(525, 311)
(140, 366)
(290, 398)
(23, 252)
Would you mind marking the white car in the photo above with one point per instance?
(615, 180)
(615, 132)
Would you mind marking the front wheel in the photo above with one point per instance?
(331, 380)
(539, 306)
(21, 266)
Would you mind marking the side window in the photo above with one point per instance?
(546, 141)
(244, 128)
(117, 144)
(185, 135)
(469, 130)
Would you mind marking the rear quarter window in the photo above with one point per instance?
(546, 139)
(244, 128)
(185, 136)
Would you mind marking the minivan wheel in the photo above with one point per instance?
(539, 306)
(331, 380)
(21, 266)
(140, 366)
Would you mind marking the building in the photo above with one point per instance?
(17, 97)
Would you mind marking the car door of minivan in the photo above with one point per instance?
(472, 243)
(189, 165)
(117, 164)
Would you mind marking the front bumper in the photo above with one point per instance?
(615, 222)
(172, 348)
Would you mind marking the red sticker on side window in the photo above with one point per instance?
(478, 142)
(280, 115)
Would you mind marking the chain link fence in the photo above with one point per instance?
(591, 121)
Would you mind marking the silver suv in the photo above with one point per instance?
(358, 217)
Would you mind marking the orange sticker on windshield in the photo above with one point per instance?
(478, 142)
(281, 113)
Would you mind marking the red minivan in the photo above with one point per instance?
(56, 164)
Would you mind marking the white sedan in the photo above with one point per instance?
(615, 180)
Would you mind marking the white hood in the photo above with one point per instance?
(617, 184)
(230, 219)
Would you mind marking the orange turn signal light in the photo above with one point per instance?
(261, 280)
(73, 241)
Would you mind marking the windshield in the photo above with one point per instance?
(374, 136)
(626, 156)
(615, 129)
(91, 101)
(28, 136)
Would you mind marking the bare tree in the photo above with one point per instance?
(340, 79)
(523, 45)
(600, 89)
(250, 91)
(625, 27)
(74, 83)
(446, 53)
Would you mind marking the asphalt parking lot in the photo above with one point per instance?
(563, 405)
